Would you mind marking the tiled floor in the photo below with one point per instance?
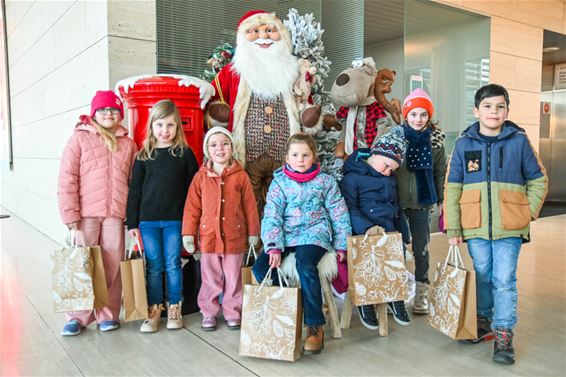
(30, 343)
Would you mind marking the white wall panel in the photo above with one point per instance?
(59, 57)
(95, 22)
(69, 36)
(55, 130)
(69, 86)
(17, 10)
(40, 17)
(38, 211)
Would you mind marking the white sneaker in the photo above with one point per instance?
(152, 323)
(340, 296)
(174, 317)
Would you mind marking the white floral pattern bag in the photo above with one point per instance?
(453, 298)
(271, 321)
(376, 269)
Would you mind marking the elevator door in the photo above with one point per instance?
(553, 143)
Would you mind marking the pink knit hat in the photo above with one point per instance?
(418, 98)
(106, 98)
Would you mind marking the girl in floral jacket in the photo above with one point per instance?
(305, 214)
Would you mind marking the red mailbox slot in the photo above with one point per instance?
(147, 91)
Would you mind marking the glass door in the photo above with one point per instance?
(446, 53)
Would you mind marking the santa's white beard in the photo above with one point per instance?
(268, 71)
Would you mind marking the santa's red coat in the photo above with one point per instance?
(229, 81)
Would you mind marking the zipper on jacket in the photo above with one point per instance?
(501, 157)
(489, 188)
(111, 180)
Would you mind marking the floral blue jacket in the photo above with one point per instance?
(305, 213)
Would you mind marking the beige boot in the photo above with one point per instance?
(174, 317)
(152, 323)
(314, 343)
(421, 299)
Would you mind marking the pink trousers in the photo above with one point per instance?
(108, 232)
(221, 274)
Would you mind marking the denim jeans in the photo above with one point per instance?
(162, 243)
(419, 225)
(495, 263)
(307, 257)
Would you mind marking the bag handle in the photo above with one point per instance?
(128, 252)
(73, 237)
(251, 251)
(268, 277)
(381, 241)
(219, 88)
(454, 256)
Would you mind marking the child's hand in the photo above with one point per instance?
(253, 240)
(275, 260)
(134, 233)
(455, 241)
(73, 226)
(375, 231)
(189, 244)
(341, 255)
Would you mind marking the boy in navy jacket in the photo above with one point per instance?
(370, 192)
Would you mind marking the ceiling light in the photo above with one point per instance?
(551, 49)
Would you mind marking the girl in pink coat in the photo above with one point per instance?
(92, 192)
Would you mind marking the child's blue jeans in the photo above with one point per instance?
(495, 263)
(307, 257)
(162, 244)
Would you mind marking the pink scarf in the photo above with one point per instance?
(301, 177)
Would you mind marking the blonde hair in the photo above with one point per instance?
(107, 136)
(160, 110)
(302, 138)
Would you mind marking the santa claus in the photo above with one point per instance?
(254, 96)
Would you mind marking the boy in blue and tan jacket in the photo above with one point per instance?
(496, 185)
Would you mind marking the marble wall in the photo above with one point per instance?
(60, 53)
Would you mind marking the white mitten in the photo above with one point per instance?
(189, 244)
(375, 230)
(253, 240)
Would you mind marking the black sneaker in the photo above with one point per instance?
(368, 316)
(484, 332)
(503, 351)
(399, 312)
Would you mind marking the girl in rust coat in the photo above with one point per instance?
(220, 220)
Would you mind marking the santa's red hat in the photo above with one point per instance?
(249, 14)
(258, 17)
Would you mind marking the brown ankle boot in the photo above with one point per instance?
(314, 343)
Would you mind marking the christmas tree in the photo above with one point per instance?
(306, 37)
(221, 56)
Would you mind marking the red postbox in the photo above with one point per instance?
(141, 94)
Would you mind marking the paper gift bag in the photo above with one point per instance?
(376, 269)
(99, 286)
(272, 320)
(72, 276)
(192, 282)
(453, 298)
(134, 294)
(247, 275)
